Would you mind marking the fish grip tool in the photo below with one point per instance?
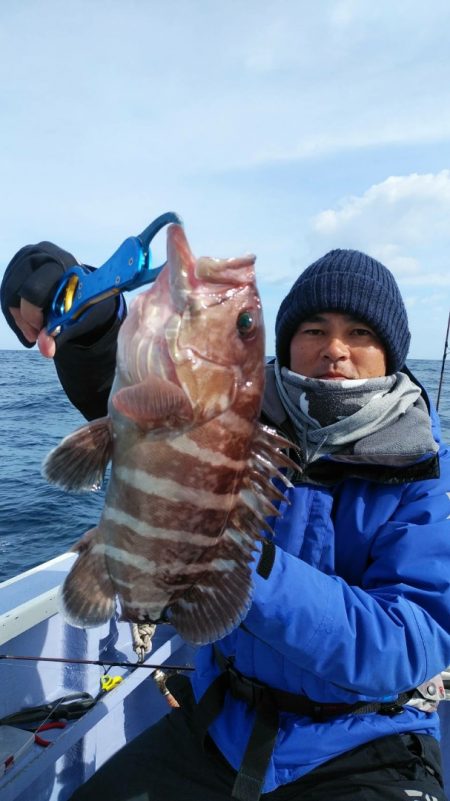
(128, 268)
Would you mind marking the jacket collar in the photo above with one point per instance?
(327, 471)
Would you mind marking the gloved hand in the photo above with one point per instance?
(28, 288)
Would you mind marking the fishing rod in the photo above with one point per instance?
(443, 364)
(101, 663)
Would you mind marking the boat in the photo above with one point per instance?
(92, 673)
(112, 701)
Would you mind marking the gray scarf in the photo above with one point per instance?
(377, 420)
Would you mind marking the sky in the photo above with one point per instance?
(284, 128)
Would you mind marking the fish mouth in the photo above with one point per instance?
(188, 274)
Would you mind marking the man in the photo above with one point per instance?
(314, 695)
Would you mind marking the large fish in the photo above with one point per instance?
(191, 466)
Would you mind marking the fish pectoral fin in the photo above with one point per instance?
(79, 462)
(154, 403)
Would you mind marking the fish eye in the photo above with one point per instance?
(245, 323)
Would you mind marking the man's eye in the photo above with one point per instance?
(313, 331)
(363, 332)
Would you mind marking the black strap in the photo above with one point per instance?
(250, 778)
(252, 691)
(381, 707)
(211, 704)
(267, 703)
(266, 559)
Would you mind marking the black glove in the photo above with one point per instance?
(33, 274)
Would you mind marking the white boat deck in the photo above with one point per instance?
(31, 626)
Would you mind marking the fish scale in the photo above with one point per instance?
(191, 466)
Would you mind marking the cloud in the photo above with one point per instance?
(403, 221)
(273, 82)
(244, 117)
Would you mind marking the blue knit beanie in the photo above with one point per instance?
(349, 282)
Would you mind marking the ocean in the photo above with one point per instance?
(38, 521)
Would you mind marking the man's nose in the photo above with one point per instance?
(336, 349)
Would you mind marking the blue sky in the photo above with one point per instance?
(279, 127)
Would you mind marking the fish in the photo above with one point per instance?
(192, 468)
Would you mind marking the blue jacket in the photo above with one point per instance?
(356, 607)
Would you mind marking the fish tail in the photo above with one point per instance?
(87, 597)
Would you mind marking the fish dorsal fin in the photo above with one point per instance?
(79, 462)
(154, 403)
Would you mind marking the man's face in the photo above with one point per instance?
(330, 345)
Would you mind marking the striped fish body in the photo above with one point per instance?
(190, 465)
